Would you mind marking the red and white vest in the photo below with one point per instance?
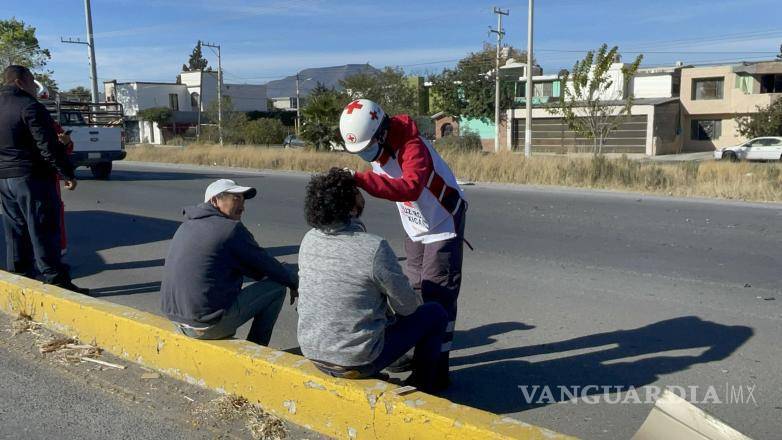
(430, 218)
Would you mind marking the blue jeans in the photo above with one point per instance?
(424, 329)
(260, 301)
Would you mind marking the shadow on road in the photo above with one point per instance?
(625, 358)
(92, 232)
(128, 289)
(150, 175)
(484, 335)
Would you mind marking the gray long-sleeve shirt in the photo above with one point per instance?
(350, 286)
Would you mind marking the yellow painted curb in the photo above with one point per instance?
(284, 384)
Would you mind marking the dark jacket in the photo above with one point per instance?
(28, 142)
(206, 263)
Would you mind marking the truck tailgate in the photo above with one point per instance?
(96, 138)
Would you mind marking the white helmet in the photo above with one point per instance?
(43, 91)
(359, 123)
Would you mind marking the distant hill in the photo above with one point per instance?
(329, 76)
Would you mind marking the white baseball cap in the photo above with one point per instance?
(228, 185)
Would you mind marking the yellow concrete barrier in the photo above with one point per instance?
(284, 384)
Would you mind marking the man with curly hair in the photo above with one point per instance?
(406, 169)
(357, 311)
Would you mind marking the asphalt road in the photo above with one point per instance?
(565, 288)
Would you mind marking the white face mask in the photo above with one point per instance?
(372, 153)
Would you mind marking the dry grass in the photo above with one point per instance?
(246, 157)
(259, 423)
(740, 181)
(24, 323)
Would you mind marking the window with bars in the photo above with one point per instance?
(173, 101)
(539, 89)
(771, 83)
(706, 129)
(708, 88)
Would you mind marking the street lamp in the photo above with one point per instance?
(298, 107)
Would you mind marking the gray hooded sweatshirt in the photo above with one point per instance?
(350, 286)
(207, 261)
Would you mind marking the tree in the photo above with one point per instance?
(766, 122)
(233, 122)
(587, 104)
(264, 131)
(389, 88)
(321, 117)
(159, 115)
(196, 61)
(78, 94)
(468, 89)
(19, 45)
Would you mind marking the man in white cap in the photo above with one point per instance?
(210, 254)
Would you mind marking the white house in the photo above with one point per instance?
(244, 97)
(141, 95)
(192, 92)
(285, 103)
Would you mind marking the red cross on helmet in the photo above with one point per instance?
(43, 91)
(359, 124)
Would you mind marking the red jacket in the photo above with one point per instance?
(58, 128)
(413, 157)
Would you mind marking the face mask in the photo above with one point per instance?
(372, 153)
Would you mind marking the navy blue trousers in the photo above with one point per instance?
(31, 219)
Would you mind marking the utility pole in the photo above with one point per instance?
(528, 122)
(90, 43)
(219, 90)
(298, 108)
(200, 95)
(500, 35)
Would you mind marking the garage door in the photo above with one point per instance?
(552, 135)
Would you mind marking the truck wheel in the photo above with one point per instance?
(101, 170)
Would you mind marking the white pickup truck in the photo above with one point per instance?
(97, 131)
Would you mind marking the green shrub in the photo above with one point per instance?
(264, 131)
(467, 141)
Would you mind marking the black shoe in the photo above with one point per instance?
(68, 285)
(401, 365)
(439, 385)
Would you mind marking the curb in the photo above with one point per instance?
(283, 384)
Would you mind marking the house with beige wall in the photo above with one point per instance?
(712, 96)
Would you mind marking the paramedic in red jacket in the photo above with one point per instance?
(407, 170)
(65, 139)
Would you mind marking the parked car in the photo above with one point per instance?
(762, 148)
(291, 141)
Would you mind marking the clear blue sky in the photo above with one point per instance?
(149, 40)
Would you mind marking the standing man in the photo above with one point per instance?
(407, 170)
(31, 158)
(211, 253)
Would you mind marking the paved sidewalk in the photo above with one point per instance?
(45, 396)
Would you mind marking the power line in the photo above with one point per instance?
(675, 52)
